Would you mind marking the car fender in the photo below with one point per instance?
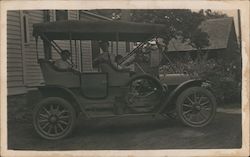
(65, 93)
(168, 103)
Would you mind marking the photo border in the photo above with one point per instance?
(127, 4)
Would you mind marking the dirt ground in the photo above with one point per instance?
(133, 133)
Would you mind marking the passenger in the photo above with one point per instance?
(118, 59)
(161, 44)
(104, 51)
(154, 56)
(63, 63)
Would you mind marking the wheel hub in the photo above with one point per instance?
(197, 107)
(53, 119)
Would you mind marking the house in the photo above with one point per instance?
(23, 71)
(222, 40)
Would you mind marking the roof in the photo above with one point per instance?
(98, 30)
(218, 31)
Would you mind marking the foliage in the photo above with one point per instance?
(225, 76)
(209, 14)
(179, 22)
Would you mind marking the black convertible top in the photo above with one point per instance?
(98, 30)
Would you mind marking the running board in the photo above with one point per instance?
(121, 115)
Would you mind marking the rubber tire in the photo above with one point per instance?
(181, 99)
(55, 100)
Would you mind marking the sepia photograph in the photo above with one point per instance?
(124, 79)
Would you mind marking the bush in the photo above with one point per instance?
(224, 75)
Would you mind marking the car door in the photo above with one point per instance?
(94, 85)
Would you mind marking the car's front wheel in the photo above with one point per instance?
(196, 106)
(54, 118)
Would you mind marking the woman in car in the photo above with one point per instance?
(63, 63)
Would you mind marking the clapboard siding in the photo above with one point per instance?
(15, 73)
(86, 49)
(14, 84)
(13, 37)
(15, 59)
(13, 13)
(13, 22)
(14, 53)
(14, 78)
(87, 56)
(73, 15)
(12, 64)
(16, 69)
(12, 19)
(121, 48)
(14, 42)
(22, 67)
(33, 77)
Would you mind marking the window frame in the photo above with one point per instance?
(55, 17)
(25, 29)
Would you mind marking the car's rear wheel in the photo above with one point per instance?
(54, 118)
(196, 106)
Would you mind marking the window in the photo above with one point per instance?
(46, 14)
(61, 15)
(25, 22)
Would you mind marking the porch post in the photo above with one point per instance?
(70, 42)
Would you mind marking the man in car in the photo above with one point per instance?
(153, 51)
(104, 50)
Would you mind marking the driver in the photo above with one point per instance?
(103, 56)
(125, 65)
(63, 63)
(104, 51)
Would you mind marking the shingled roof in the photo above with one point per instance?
(218, 31)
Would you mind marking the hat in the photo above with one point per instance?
(160, 41)
(152, 42)
(65, 53)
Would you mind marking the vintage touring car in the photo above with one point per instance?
(110, 91)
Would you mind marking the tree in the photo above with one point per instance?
(180, 23)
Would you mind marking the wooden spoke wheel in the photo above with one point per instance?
(54, 118)
(196, 106)
(144, 94)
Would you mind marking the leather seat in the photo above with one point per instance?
(55, 76)
(116, 77)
